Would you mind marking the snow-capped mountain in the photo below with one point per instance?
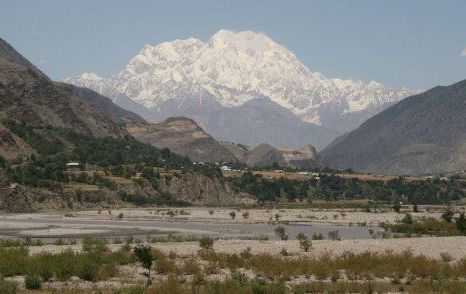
(235, 67)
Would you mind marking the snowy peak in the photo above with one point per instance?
(89, 80)
(162, 57)
(246, 41)
(235, 67)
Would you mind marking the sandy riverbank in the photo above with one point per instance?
(333, 216)
(428, 246)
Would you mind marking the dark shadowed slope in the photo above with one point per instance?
(8, 52)
(32, 106)
(425, 133)
(106, 106)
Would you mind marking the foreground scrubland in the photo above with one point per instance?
(237, 266)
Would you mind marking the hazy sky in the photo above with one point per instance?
(399, 43)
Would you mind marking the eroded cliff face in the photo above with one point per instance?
(203, 190)
(194, 188)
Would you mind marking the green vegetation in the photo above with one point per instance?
(334, 235)
(107, 152)
(355, 266)
(144, 256)
(280, 231)
(428, 226)
(36, 137)
(33, 282)
(329, 273)
(304, 242)
(448, 215)
(94, 265)
(333, 187)
(232, 214)
(2, 161)
(98, 158)
(7, 287)
(206, 243)
(163, 199)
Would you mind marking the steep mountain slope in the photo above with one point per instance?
(183, 136)
(31, 104)
(233, 68)
(262, 120)
(101, 86)
(106, 106)
(8, 52)
(265, 155)
(252, 123)
(425, 133)
(304, 158)
(58, 122)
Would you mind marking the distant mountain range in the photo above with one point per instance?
(422, 134)
(184, 136)
(213, 82)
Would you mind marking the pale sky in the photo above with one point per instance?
(397, 42)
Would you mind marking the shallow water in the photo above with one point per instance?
(74, 228)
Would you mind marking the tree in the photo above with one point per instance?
(280, 231)
(448, 215)
(304, 241)
(232, 214)
(408, 219)
(206, 242)
(2, 161)
(145, 257)
(397, 207)
(461, 223)
(165, 153)
(334, 235)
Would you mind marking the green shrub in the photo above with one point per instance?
(94, 245)
(448, 215)
(334, 235)
(407, 219)
(280, 231)
(304, 242)
(13, 261)
(7, 287)
(232, 214)
(33, 282)
(2, 161)
(206, 242)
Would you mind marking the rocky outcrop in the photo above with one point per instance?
(193, 188)
(203, 189)
(183, 136)
(304, 158)
(265, 155)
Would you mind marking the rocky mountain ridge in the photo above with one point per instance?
(232, 68)
(422, 134)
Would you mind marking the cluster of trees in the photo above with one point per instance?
(36, 137)
(164, 199)
(111, 151)
(332, 187)
(48, 177)
(449, 225)
(120, 156)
